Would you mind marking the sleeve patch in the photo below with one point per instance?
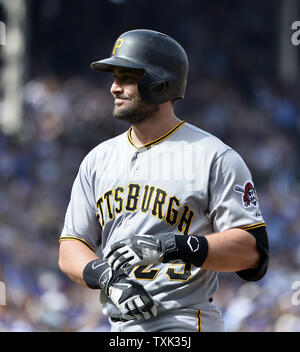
(248, 194)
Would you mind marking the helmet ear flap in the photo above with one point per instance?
(153, 91)
(159, 87)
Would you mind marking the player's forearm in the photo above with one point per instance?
(230, 251)
(73, 257)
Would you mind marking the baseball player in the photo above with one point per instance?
(156, 212)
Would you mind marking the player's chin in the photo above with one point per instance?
(120, 113)
(125, 113)
(121, 107)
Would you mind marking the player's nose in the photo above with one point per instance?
(116, 88)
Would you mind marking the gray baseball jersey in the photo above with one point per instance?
(186, 182)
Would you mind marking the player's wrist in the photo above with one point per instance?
(190, 249)
(169, 248)
(97, 274)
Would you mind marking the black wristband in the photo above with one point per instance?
(93, 271)
(97, 274)
(190, 249)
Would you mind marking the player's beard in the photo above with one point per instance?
(136, 112)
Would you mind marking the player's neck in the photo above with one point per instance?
(154, 128)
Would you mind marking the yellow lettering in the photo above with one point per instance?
(119, 44)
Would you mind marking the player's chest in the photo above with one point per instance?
(167, 185)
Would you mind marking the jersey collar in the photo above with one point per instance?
(155, 141)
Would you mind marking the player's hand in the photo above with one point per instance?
(139, 250)
(132, 299)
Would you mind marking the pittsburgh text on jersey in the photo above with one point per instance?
(146, 199)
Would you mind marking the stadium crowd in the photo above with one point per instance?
(63, 121)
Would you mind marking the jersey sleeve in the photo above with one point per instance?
(81, 221)
(232, 197)
(233, 203)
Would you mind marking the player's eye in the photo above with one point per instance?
(125, 77)
(128, 78)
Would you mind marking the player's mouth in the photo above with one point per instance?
(119, 101)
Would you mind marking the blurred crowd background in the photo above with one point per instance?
(238, 89)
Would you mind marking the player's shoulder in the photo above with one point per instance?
(193, 134)
(212, 148)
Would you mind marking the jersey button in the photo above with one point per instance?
(139, 155)
(138, 172)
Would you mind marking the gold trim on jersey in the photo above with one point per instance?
(172, 214)
(117, 198)
(184, 224)
(157, 140)
(171, 271)
(158, 203)
(73, 238)
(198, 315)
(253, 226)
(146, 270)
(147, 198)
(134, 190)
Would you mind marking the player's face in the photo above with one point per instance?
(128, 105)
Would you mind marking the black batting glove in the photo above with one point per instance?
(152, 249)
(139, 250)
(130, 297)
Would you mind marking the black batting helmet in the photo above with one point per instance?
(162, 58)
